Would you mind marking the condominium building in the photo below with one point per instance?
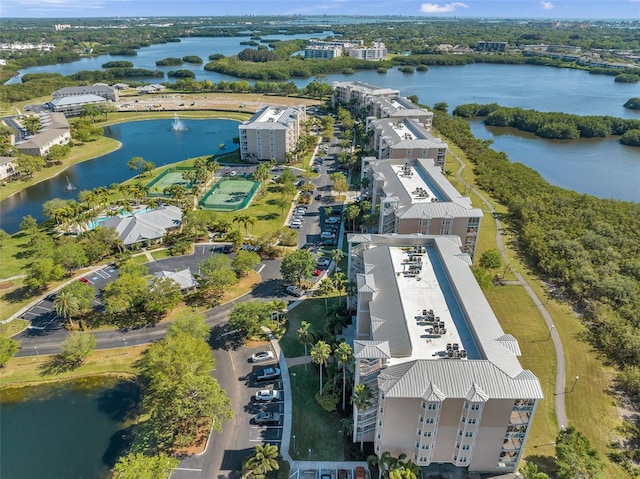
(322, 51)
(8, 168)
(72, 105)
(271, 133)
(55, 131)
(445, 378)
(358, 96)
(398, 108)
(406, 138)
(376, 52)
(415, 197)
(98, 89)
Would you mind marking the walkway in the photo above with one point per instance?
(561, 414)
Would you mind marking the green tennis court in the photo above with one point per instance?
(230, 194)
(171, 176)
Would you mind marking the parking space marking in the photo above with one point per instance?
(267, 440)
(41, 307)
(103, 274)
(187, 469)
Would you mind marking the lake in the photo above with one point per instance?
(74, 429)
(154, 140)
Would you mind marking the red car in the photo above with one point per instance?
(85, 280)
(316, 272)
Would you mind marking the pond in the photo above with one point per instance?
(74, 429)
(154, 140)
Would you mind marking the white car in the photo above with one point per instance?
(294, 291)
(327, 235)
(332, 220)
(295, 224)
(267, 395)
(322, 261)
(262, 356)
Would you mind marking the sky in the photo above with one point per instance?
(551, 9)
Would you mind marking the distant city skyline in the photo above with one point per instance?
(548, 9)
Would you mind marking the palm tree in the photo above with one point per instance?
(263, 461)
(361, 398)
(305, 335)
(337, 255)
(66, 305)
(325, 288)
(352, 213)
(261, 174)
(251, 220)
(339, 282)
(343, 354)
(279, 305)
(319, 355)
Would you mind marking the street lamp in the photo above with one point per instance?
(574, 383)
(309, 453)
(295, 450)
(37, 353)
(550, 331)
(126, 350)
(294, 381)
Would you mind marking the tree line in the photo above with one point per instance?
(586, 246)
(555, 125)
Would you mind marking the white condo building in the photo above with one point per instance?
(271, 132)
(415, 197)
(359, 96)
(406, 138)
(446, 381)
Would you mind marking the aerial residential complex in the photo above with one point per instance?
(55, 131)
(271, 133)
(415, 197)
(447, 385)
(353, 48)
(98, 89)
(358, 96)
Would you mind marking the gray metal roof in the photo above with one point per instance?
(472, 380)
(371, 349)
(387, 314)
(77, 100)
(152, 225)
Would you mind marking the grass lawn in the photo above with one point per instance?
(13, 327)
(311, 310)
(314, 428)
(160, 254)
(22, 371)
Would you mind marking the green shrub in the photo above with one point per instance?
(329, 399)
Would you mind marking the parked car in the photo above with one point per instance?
(329, 242)
(85, 280)
(295, 224)
(322, 261)
(318, 197)
(308, 246)
(267, 395)
(332, 220)
(327, 235)
(268, 373)
(295, 291)
(262, 356)
(316, 272)
(267, 418)
(343, 474)
(360, 473)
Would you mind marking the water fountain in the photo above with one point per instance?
(69, 186)
(177, 124)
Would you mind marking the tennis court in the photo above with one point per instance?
(170, 176)
(230, 194)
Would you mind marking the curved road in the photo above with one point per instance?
(561, 413)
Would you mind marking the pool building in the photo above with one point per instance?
(446, 382)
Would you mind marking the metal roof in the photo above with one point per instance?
(371, 349)
(472, 380)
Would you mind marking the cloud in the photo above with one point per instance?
(546, 5)
(446, 8)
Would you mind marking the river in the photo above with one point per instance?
(74, 429)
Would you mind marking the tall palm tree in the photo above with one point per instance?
(343, 354)
(339, 282)
(279, 306)
(361, 398)
(305, 335)
(337, 255)
(263, 461)
(251, 220)
(319, 355)
(66, 306)
(325, 288)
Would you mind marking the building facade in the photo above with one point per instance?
(406, 138)
(271, 133)
(99, 89)
(8, 168)
(398, 108)
(375, 53)
(415, 197)
(55, 131)
(72, 105)
(446, 383)
(359, 96)
(322, 51)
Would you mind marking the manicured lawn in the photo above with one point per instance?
(13, 327)
(314, 428)
(160, 254)
(107, 361)
(311, 310)
(11, 261)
